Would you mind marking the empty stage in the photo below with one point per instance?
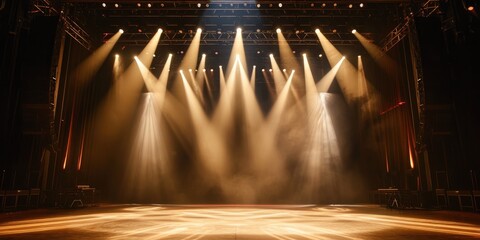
(190, 222)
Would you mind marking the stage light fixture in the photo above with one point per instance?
(317, 30)
(204, 70)
(220, 66)
(204, 55)
(139, 4)
(211, 69)
(280, 5)
(181, 52)
(304, 55)
(154, 55)
(135, 57)
(470, 8)
(284, 70)
(160, 30)
(199, 30)
(216, 53)
(199, 5)
(270, 5)
(259, 5)
(116, 5)
(258, 52)
(149, 5)
(239, 30)
(320, 55)
(343, 57)
(354, 31)
(207, 5)
(279, 30)
(270, 70)
(334, 30)
(104, 5)
(117, 56)
(350, 5)
(312, 4)
(162, 5)
(359, 56)
(170, 54)
(258, 30)
(120, 30)
(334, 4)
(324, 4)
(263, 69)
(361, 5)
(271, 55)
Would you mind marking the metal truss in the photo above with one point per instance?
(46, 8)
(401, 30)
(227, 38)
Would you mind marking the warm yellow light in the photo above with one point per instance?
(170, 54)
(120, 30)
(320, 55)
(190, 70)
(104, 5)
(304, 55)
(361, 5)
(284, 70)
(239, 30)
(160, 30)
(270, 55)
(317, 30)
(343, 57)
(135, 57)
(117, 56)
(204, 70)
(263, 69)
(204, 55)
(270, 70)
(354, 31)
(470, 8)
(199, 30)
(279, 30)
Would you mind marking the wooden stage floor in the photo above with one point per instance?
(281, 222)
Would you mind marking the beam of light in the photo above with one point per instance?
(346, 74)
(209, 88)
(251, 110)
(119, 106)
(209, 145)
(288, 59)
(252, 77)
(90, 66)
(311, 90)
(324, 84)
(199, 76)
(388, 65)
(237, 50)
(222, 79)
(322, 153)
(148, 77)
(162, 80)
(275, 115)
(270, 85)
(278, 77)
(148, 160)
(195, 87)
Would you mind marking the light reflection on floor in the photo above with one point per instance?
(239, 222)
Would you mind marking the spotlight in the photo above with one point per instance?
(219, 32)
(162, 5)
(120, 30)
(470, 8)
(149, 5)
(258, 52)
(180, 31)
(220, 66)
(181, 52)
(317, 30)
(263, 69)
(211, 69)
(154, 55)
(343, 57)
(190, 70)
(284, 70)
(334, 30)
(361, 5)
(199, 30)
(204, 55)
(270, 5)
(335, 4)
(239, 30)
(216, 52)
(270, 70)
(270, 55)
(294, 51)
(280, 5)
(170, 54)
(324, 4)
(117, 56)
(116, 5)
(350, 5)
(304, 55)
(135, 57)
(359, 56)
(259, 5)
(354, 31)
(320, 55)
(204, 70)
(139, 4)
(160, 30)
(199, 5)
(312, 4)
(207, 5)
(279, 30)
(104, 5)
(254, 66)
(139, 30)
